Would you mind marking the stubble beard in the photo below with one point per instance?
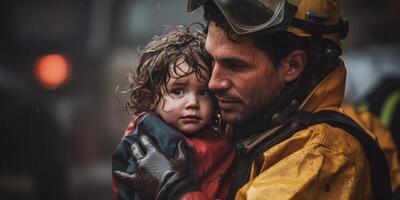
(247, 113)
(233, 118)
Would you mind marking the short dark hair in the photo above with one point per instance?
(182, 44)
(277, 46)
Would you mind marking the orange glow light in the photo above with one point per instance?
(52, 70)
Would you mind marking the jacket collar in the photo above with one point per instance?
(328, 93)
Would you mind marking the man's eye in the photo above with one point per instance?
(177, 91)
(237, 67)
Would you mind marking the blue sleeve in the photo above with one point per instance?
(166, 137)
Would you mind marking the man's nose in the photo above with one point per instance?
(192, 101)
(218, 81)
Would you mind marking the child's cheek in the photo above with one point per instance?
(171, 105)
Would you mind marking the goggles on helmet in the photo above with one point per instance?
(247, 16)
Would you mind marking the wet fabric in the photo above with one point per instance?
(122, 159)
(385, 140)
(213, 155)
(319, 162)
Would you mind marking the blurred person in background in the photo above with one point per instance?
(373, 124)
(373, 63)
(373, 72)
(372, 58)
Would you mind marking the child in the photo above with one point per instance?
(171, 83)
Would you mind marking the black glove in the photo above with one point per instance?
(157, 176)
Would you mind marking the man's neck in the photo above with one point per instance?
(251, 126)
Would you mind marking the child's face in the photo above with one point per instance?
(187, 105)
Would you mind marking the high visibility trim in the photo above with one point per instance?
(389, 108)
(364, 106)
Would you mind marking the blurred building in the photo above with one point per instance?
(63, 70)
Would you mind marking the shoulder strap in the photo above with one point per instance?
(380, 177)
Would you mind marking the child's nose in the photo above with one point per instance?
(192, 102)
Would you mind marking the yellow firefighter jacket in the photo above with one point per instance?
(374, 125)
(319, 162)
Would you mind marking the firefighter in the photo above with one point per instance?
(279, 83)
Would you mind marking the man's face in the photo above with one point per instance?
(243, 77)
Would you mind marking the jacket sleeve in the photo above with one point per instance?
(311, 166)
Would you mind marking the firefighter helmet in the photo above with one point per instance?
(305, 18)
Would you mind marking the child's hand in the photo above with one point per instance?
(158, 176)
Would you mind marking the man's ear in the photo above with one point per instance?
(294, 64)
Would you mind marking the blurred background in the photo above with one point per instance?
(63, 70)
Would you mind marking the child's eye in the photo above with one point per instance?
(204, 93)
(177, 91)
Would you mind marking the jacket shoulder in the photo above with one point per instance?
(335, 139)
(319, 162)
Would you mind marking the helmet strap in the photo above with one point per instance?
(322, 52)
(315, 26)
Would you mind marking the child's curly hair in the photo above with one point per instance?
(160, 61)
